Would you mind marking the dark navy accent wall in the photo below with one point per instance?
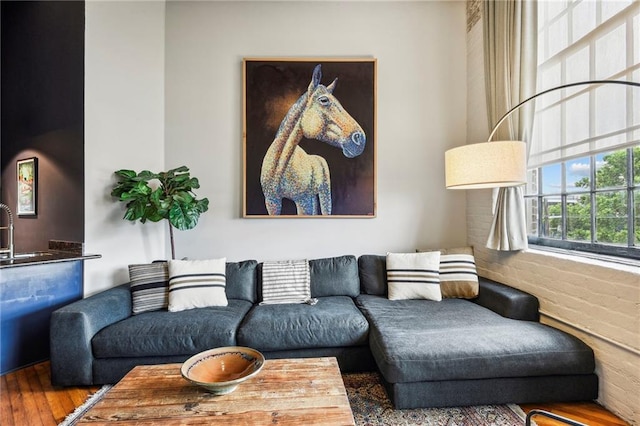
(42, 100)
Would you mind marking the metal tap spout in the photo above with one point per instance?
(9, 249)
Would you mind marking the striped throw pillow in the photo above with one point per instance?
(286, 281)
(197, 284)
(149, 285)
(458, 275)
(414, 276)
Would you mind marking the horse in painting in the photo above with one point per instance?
(288, 171)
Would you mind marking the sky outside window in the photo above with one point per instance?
(578, 172)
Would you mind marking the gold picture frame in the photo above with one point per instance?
(309, 137)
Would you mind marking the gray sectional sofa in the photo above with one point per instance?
(487, 350)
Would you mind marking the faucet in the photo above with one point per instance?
(9, 248)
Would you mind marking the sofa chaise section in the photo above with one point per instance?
(456, 352)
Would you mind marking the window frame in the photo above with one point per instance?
(557, 19)
(631, 250)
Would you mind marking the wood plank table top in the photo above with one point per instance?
(305, 391)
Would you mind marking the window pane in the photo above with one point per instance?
(611, 7)
(636, 31)
(577, 119)
(636, 196)
(577, 69)
(554, 8)
(584, 18)
(558, 30)
(578, 174)
(611, 217)
(579, 217)
(531, 208)
(552, 217)
(532, 182)
(636, 165)
(610, 111)
(611, 169)
(546, 141)
(551, 179)
(611, 53)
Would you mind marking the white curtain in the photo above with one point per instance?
(510, 51)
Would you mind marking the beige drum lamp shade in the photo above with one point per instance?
(486, 165)
(497, 164)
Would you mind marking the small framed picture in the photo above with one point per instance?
(27, 186)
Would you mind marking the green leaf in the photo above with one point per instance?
(183, 217)
(181, 178)
(183, 198)
(193, 183)
(181, 169)
(152, 214)
(203, 205)
(154, 198)
(124, 173)
(147, 175)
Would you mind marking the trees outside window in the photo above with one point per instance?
(599, 208)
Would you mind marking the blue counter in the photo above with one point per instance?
(29, 292)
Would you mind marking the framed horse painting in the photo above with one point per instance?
(309, 138)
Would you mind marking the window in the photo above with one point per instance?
(583, 190)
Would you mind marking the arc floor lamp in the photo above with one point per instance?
(501, 163)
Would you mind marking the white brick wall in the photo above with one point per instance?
(600, 301)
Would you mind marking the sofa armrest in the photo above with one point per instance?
(72, 328)
(507, 301)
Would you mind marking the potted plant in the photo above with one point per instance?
(172, 199)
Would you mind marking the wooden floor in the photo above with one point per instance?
(28, 399)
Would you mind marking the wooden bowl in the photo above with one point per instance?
(221, 370)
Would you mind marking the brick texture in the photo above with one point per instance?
(602, 301)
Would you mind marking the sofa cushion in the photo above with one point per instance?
(455, 339)
(372, 269)
(164, 333)
(149, 285)
(242, 280)
(334, 276)
(414, 276)
(197, 284)
(331, 322)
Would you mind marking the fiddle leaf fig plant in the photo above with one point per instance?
(172, 199)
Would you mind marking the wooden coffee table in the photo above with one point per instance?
(305, 391)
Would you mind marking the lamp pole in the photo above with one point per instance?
(564, 86)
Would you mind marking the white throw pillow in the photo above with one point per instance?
(414, 276)
(196, 284)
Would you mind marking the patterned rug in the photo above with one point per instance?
(371, 406)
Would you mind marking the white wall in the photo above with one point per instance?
(124, 128)
(420, 48)
(596, 301)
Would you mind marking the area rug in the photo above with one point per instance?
(371, 407)
(73, 418)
